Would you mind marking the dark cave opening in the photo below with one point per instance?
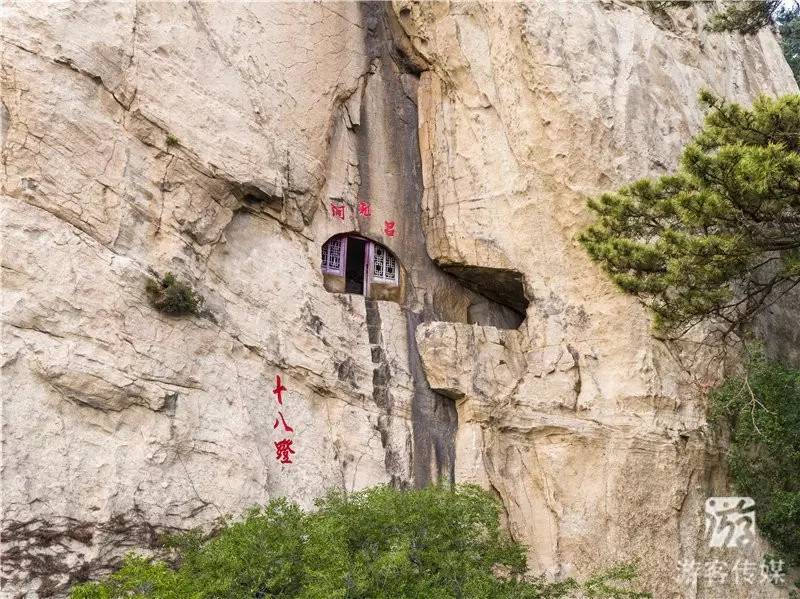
(354, 266)
(502, 286)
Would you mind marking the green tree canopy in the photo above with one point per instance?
(720, 237)
(762, 407)
(380, 543)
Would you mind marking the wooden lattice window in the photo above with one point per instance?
(332, 255)
(384, 265)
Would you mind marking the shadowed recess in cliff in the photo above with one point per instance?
(381, 381)
(390, 165)
(391, 92)
(434, 417)
(501, 285)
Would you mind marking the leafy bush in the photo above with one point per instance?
(721, 237)
(380, 543)
(762, 407)
(171, 296)
(172, 141)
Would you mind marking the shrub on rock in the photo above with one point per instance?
(171, 296)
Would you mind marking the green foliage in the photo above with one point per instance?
(380, 543)
(606, 584)
(662, 5)
(745, 16)
(172, 141)
(663, 10)
(789, 25)
(171, 296)
(762, 407)
(721, 236)
(138, 578)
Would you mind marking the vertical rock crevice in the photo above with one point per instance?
(388, 126)
(434, 418)
(381, 395)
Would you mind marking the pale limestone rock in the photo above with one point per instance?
(121, 423)
(592, 432)
(208, 139)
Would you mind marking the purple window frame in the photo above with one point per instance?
(369, 256)
(342, 256)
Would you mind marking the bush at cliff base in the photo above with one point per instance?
(434, 543)
(762, 408)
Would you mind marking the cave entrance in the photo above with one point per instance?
(501, 298)
(355, 266)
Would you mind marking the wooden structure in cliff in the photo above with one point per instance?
(354, 264)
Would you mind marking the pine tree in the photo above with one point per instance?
(789, 22)
(720, 237)
(745, 16)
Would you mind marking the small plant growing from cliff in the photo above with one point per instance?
(762, 408)
(381, 542)
(172, 141)
(171, 296)
(750, 17)
(745, 16)
(664, 5)
(720, 237)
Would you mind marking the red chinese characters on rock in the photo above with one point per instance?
(279, 389)
(364, 209)
(337, 211)
(286, 427)
(283, 448)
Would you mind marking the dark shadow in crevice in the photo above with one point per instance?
(435, 420)
(255, 198)
(502, 286)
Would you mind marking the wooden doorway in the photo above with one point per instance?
(355, 265)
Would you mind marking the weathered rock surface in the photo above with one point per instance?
(591, 432)
(209, 139)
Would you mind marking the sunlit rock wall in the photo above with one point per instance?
(591, 432)
(210, 140)
(207, 140)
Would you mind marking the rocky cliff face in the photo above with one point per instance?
(210, 140)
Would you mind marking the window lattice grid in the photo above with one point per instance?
(384, 265)
(332, 255)
(391, 268)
